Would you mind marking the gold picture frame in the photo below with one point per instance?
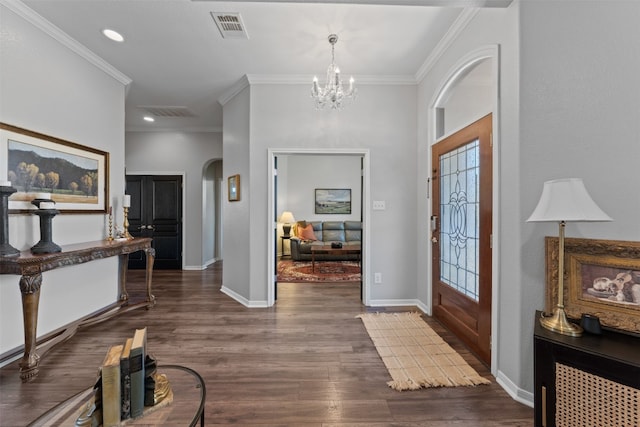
(233, 185)
(75, 176)
(602, 278)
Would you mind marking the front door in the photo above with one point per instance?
(461, 234)
(156, 212)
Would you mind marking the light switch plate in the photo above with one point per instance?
(379, 205)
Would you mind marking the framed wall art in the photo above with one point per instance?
(602, 278)
(75, 176)
(333, 201)
(234, 187)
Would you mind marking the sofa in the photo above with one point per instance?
(325, 233)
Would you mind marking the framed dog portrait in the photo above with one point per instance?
(602, 278)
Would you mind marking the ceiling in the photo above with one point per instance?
(176, 57)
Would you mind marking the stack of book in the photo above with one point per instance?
(123, 380)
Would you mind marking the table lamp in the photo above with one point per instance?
(287, 219)
(562, 201)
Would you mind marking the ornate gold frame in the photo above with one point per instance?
(583, 259)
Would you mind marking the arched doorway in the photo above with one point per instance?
(462, 209)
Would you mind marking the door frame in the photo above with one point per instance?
(184, 204)
(453, 76)
(366, 212)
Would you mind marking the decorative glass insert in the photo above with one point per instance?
(460, 218)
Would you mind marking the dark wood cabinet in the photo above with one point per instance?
(593, 376)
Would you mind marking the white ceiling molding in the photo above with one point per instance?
(181, 129)
(60, 36)
(235, 89)
(297, 79)
(454, 31)
(436, 3)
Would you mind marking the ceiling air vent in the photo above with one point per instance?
(167, 111)
(230, 25)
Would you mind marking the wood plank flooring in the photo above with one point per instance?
(307, 361)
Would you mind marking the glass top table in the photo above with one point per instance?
(186, 408)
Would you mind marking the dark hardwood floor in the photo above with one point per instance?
(307, 361)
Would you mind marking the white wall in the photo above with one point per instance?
(48, 88)
(305, 173)
(488, 27)
(188, 153)
(568, 108)
(382, 120)
(579, 118)
(240, 231)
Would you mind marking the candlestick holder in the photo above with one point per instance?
(6, 250)
(126, 224)
(110, 236)
(45, 245)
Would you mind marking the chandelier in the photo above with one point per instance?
(333, 93)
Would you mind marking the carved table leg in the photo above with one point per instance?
(30, 289)
(151, 256)
(123, 261)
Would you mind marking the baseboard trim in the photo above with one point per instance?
(516, 393)
(397, 303)
(242, 300)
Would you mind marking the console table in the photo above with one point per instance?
(590, 380)
(30, 267)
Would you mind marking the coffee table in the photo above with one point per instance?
(186, 409)
(327, 249)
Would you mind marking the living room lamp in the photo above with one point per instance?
(562, 201)
(287, 219)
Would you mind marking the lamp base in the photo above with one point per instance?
(558, 323)
(286, 229)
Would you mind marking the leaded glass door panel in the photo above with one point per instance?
(461, 234)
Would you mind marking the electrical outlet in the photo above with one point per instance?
(379, 205)
(377, 277)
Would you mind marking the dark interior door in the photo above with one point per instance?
(156, 212)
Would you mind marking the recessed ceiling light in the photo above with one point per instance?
(113, 35)
(149, 119)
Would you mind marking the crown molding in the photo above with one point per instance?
(436, 3)
(304, 79)
(64, 39)
(180, 129)
(235, 89)
(454, 31)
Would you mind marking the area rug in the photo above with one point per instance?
(325, 271)
(415, 356)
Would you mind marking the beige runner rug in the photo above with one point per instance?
(415, 355)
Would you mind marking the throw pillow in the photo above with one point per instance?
(298, 226)
(307, 233)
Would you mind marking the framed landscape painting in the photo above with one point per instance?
(75, 176)
(333, 201)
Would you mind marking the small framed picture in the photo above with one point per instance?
(234, 188)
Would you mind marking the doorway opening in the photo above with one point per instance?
(302, 199)
(156, 212)
(469, 92)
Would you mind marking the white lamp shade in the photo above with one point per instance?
(287, 217)
(566, 200)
